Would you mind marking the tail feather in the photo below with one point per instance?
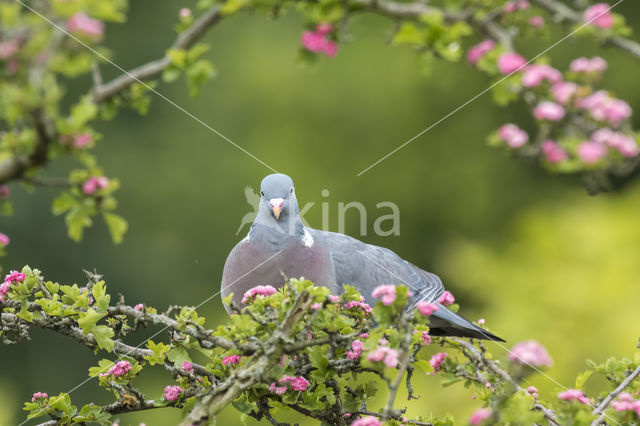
(443, 322)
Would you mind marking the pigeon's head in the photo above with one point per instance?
(277, 195)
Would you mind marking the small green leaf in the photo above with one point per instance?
(103, 335)
(87, 320)
(117, 226)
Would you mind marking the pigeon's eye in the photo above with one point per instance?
(291, 191)
(262, 193)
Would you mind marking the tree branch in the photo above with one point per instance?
(600, 409)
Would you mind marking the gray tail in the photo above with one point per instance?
(443, 322)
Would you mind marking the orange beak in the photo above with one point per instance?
(276, 206)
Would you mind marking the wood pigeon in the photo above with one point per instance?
(279, 246)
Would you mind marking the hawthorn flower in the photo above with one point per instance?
(513, 135)
(187, 366)
(599, 15)
(534, 75)
(533, 391)
(333, 298)
(138, 307)
(383, 353)
(574, 395)
(231, 360)
(604, 107)
(359, 304)
(437, 360)
(94, 183)
(81, 140)
(286, 379)
(549, 111)
(119, 369)
(367, 421)
(5, 192)
(553, 152)
(185, 13)
(480, 415)
(39, 395)
(316, 306)
(625, 402)
(300, 384)
(530, 352)
(586, 65)
(356, 349)
(481, 321)
(260, 290)
(14, 276)
(424, 335)
(510, 62)
(4, 240)
(316, 41)
(591, 152)
(4, 289)
(171, 393)
(278, 390)
(447, 298)
(626, 145)
(425, 308)
(8, 49)
(563, 91)
(479, 50)
(536, 21)
(83, 25)
(385, 292)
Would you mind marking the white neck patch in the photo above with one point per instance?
(307, 239)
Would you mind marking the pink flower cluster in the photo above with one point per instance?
(553, 152)
(367, 421)
(39, 395)
(604, 107)
(599, 15)
(426, 308)
(563, 91)
(574, 395)
(424, 335)
(4, 239)
(119, 369)
(479, 50)
(13, 277)
(82, 139)
(385, 292)
(356, 349)
(626, 402)
(513, 135)
(512, 6)
(534, 75)
(171, 393)
(480, 415)
(317, 42)
(447, 298)
(386, 354)
(138, 307)
(298, 383)
(83, 25)
(260, 290)
(536, 21)
(591, 152)
(533, 391)
(510, 62)
(437, 360)
(550, 111)
(530, 352)
(187, 366)
(626, 145)
(359, 304)
(8, 49)
(231, 360)
(586, 65)
(94, 183)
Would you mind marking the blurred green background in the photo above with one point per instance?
(530, 252)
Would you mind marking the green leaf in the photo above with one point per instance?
(178, 355)
(103, 336)
(117, 226)
(159, 352)
(62, 203)
(198, 74)
(582, 379)
(409, 34)
(178, 57)
(92, 413)
(103, 366)
(87, 320)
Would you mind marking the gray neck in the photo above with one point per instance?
(274, 233)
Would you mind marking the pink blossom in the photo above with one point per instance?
(313, 41)
(120, 369)
(513, 135)
(8, 48)
(593, 65)
(386, 292)
(185, 13)
(260, 290)
(4, 240)
(363, 335)
(553, 152)
(330, 49)
(510, 7)
(536, 21)
(286, 379)
(367, 421)
(171, 393)
(603, 107)
(563, 91)
(231, 360)
(481, 321)
(39, 395)
(480, 415)
(626, 145)
(316, 306)
(530, 352)
(278, 390)
(447, 298)
(510, 62)
(4, 289)
(81, 140)
(94, 183)
(591, 152)
(334, 298)
(523, 4)
(479, 50)
(324, 28)
(625, 402)
(300, 384)
(83, 25)
(383, 353)
(599, 15)
(138, 307)
(534, 75)
(532, 389)
(574, 395)
(14, 276)
(426, 309)
(437, 360)
(424, 335)
(549, 111)
(5, 191)
(362, 305)
(356, 349)
(187, 366)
